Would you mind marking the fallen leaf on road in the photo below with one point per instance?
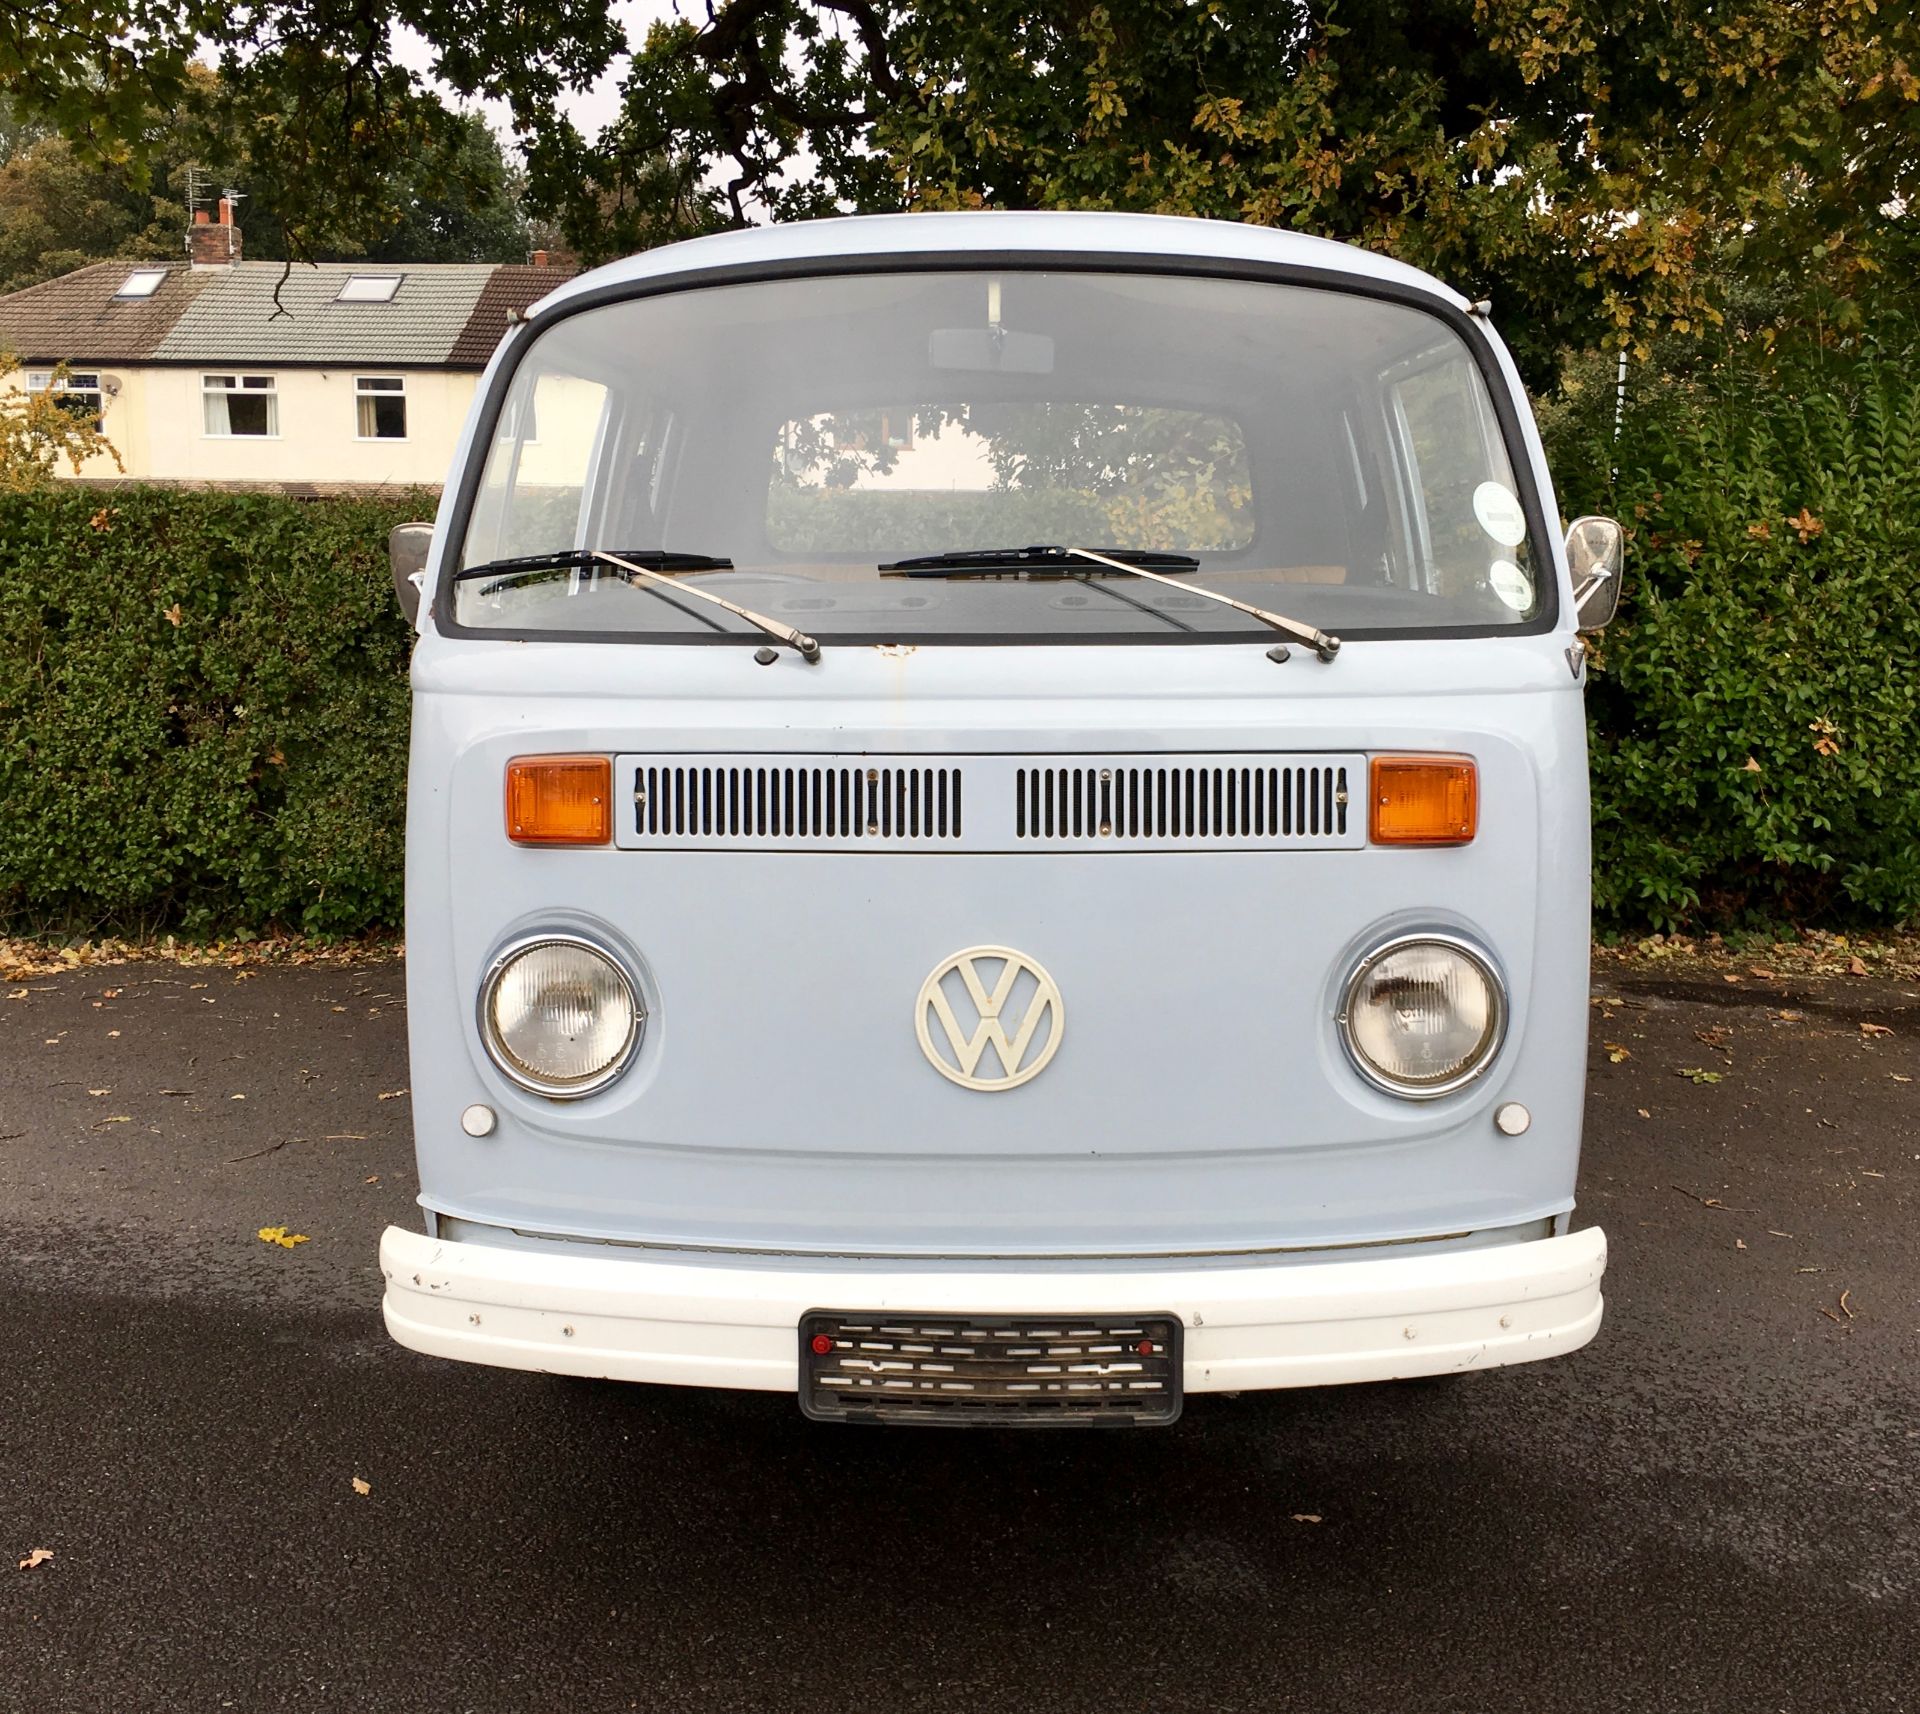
(1871, 1030)
(1856, 966)
(1729, 978)
(1898, 1078)
(1809, 1270)
(18, 994)
(118, 1119)
(371, 1178)
(1762, 972)
(1616, 1053)
(99, 1091)
(1739, 1243)
(236, 1097)
(391, 1094)
(361, 1486)
(39, 1556)
(1718, 1036)
(1306, 1517)
(281, 1236)
(1699, 1074)
(1643, 1112)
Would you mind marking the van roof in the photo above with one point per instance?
(995, 231)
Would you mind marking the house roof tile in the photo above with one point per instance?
(514, 287)
(77, 319)
(262, 313)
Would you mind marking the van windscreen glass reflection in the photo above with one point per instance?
(1328, 454)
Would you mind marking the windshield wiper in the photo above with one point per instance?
(582, 559)
(651, 566)
(1063, 562)
(987, 560)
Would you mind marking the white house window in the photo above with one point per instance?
(241, 406)
(141, 283)
(380, 404)
(368, 289)
(78, 392)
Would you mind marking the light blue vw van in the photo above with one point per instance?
(997, 829)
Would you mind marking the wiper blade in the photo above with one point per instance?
(1322, 644)
(583, 559)
(1061, 561)
(651, 566)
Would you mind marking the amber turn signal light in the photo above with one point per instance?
(1423, 800)
(560, 800)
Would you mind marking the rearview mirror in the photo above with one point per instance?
(1596, 554)
(990, 350)
(407, 548)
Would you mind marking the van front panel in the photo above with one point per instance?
(1199, 1098)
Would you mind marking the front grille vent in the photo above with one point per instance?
(941, 805)
(797, 803)
(1250, 800)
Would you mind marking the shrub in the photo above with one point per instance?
(203, 710)
(1755, 710)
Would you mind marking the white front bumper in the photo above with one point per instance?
(708, 1322)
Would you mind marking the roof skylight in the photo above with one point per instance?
(368, 289)
(141, 283)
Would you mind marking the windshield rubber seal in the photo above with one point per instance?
(1471, 333)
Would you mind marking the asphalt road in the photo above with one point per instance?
(1712, 1507)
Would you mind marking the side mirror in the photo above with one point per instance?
(1596, 553)
(407, 549)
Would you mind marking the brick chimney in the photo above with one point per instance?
(213, 243)
(539, 258)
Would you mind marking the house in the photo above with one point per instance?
(215, 369)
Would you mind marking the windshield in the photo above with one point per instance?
(1327, 454)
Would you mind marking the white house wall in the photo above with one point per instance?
(157, 423)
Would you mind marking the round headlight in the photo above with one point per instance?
(559, 1016)
(1423, 1015)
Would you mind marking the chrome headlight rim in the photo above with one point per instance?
(518, 1075)
(1489, 969)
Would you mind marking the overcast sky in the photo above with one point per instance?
(590, 109)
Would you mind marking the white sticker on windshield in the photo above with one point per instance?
(1498, 509)
(1511, 584)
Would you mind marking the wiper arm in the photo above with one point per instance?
(807, 647)
(651, 566)
(1042, 559)
(1322, 644)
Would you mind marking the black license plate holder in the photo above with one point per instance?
(1024, 1371)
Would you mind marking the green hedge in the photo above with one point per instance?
(1755, 710)
(203, 710)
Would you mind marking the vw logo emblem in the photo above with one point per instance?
(1009, 1003)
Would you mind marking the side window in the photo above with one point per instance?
(536, 490)
(77, 392)
(240, 406)
(380, 407)
(1446, 443)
